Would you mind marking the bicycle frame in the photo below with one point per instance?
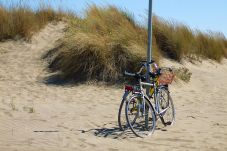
(156, 103)
(128, 90)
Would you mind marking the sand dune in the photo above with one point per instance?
(36, 116)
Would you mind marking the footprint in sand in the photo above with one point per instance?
(8, 113)
(29, 109)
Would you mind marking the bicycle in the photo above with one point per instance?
(128, 90)
(138, 105)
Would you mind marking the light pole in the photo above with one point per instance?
(149, 48)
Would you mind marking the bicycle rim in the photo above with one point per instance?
(140, 117)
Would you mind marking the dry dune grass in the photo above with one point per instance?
(100, 46)
(107, 41)
(177, 41)
(20, 21)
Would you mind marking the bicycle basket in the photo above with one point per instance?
(166, 77)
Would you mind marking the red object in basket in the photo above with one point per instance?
(166, 78)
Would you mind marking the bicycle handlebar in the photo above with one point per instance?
(154, 75)
(136, 75)
(130, 74)
(144, 65)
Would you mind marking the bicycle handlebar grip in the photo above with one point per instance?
(130, 74)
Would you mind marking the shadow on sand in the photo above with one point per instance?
(113, 132)
(56, 79)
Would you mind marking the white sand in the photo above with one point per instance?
(76, 116)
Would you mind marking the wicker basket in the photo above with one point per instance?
(166, 77)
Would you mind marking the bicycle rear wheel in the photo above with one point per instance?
(165, 106)
(140, 116)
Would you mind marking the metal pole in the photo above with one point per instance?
(149, 48)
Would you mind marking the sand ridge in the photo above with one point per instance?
(36, 116)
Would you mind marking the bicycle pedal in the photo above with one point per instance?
(168, 123)
(151, 97)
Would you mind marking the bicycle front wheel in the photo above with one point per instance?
(140, 116)
(166, 107)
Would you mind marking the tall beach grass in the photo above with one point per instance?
(178, 41)
(21, 21)
(101, 46)
(108, 41)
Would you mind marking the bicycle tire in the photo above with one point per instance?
(122, 126)
(166, 106)
(137, 127)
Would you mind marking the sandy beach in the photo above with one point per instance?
(36, 116)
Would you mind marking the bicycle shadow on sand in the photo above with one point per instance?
(114, 132)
